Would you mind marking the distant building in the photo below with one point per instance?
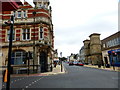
(82, 54)
(111, 49)
(33, 31)
(71, 57)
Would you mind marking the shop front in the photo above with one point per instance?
(114, 57)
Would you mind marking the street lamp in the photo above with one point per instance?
(34, 13)
(11, 23)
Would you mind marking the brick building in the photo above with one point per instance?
(33, 32)
(111, 49)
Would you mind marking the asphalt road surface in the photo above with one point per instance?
(76, 77)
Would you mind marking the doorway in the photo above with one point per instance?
(43, 62)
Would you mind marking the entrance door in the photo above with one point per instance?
(43, 61)
(106, 60)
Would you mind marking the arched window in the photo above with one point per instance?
(18, 57)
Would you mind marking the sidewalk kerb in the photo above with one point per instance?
(108, 69)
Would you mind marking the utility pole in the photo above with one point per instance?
(9, 52)
(34, 13)
(61, 61)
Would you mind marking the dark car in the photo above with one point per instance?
(80, 64)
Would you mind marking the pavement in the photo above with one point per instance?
(56, 70)
(117, 69)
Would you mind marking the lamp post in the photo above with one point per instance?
(34, 13)
(9, 52)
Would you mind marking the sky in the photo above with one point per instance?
(75, 20)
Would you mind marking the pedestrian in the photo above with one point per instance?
(113, 64)
(55, 63)
(99, 64)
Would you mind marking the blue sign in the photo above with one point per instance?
(117, 50)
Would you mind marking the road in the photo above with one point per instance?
(76, 77)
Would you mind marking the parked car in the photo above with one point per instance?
(80, 64)
(71, 63)
(75, 62)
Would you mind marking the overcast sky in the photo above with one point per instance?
(75, 20)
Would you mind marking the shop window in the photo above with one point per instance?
(18, 58)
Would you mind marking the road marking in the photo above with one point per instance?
(29, 84)
(33, 82)
(26, 87)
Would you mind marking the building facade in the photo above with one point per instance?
(111, 49)
(92, 50)
(33, 32)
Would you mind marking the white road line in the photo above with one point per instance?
(29, 84)
(26, 87)
(33, 82)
